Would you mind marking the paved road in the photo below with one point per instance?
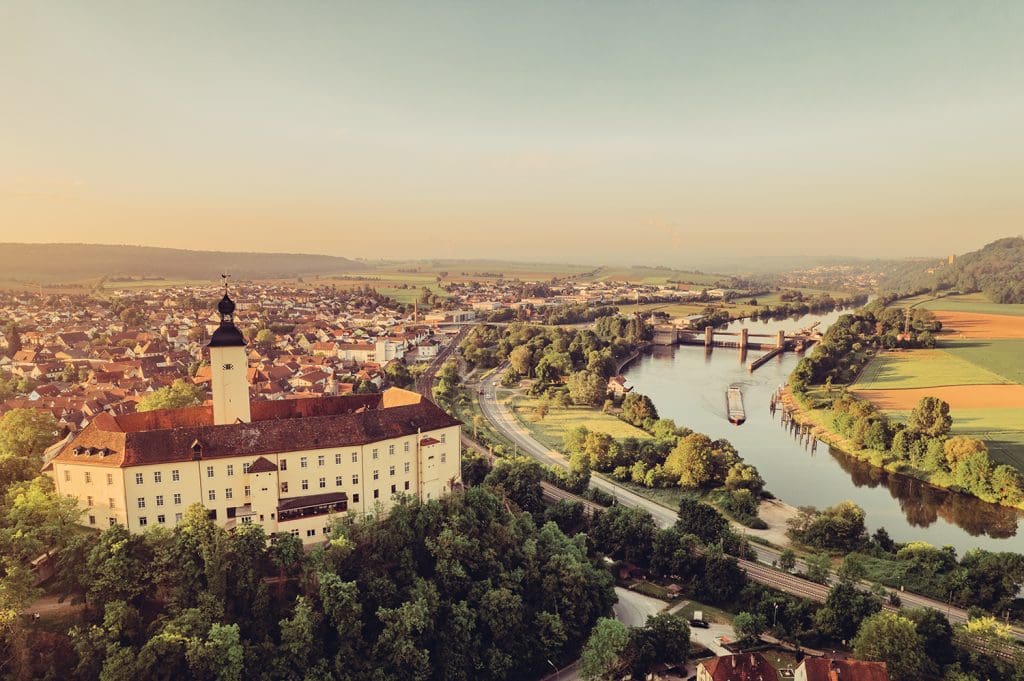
(634, 608)
(502, 419)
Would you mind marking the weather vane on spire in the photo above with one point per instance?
(225, 277)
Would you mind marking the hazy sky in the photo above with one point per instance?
(556, 131)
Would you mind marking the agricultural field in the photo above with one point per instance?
(898, 370)
(975, 303)
(978, 368)
(559, 420)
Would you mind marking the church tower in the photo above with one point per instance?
(229, 368)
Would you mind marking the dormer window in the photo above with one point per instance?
(197, 449)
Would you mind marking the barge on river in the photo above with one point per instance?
(734, 405)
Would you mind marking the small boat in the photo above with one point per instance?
(734, 404)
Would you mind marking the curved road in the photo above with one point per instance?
(502, 419)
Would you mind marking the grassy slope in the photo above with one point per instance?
(923, 369)
(1001, 357)
(971, 302)
(559, 421)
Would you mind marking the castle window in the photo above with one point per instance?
(406, 446)
(88, 501)
(177, 499)
(157, 476)
(138, 478)
(320, 460)
(394, 488)
(110, 502)
(374, 453)
(175, 475)
(247, 520)
(209, 471)
(303, 462)
(283, 465)
(111, 521)
(376, 475)
(355, 457)
(67, 476)
(110, 479)
(247, 491)
(88, 476)
(142, 502)
(284, 488)
(355, 479)
(391, 470)
(444, 457)
(229, 493)
(407, 484)
(355, 498)
(305, 484)
(177, 517)
(245, 467)
(92, 520)
(159, 500)
(142, 521)
(337, 481)
(212, 495)
(161, 519)
(376, 494)
(391, 450)
(406, 466)
(337, 459)
(311, 533)
(231, 469)
(323, 483)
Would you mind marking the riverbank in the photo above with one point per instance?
(817, 420)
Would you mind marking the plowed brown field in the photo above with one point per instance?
(977, 325)
(958, 397)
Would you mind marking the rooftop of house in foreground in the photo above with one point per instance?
(177, 435)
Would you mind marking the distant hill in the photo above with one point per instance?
(45, 263)
(997, 270)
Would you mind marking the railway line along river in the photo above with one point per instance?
(689, 385)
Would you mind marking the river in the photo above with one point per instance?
(688, 385)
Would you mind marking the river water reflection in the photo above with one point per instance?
(688, 385)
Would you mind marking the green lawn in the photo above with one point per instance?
(971, 302)
(560, 420)
(1001, 357)
(923, 369)
(1002, 430)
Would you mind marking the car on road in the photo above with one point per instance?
(698, 620)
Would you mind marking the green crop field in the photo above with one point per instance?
(971, 302)
(923, 369)
(1002, 357)
(1002, 430)
(560, 420)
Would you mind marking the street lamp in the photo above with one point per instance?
(557, 671)
(775, 616)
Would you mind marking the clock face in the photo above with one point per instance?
(227, 367)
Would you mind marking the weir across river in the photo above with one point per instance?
(742, 339)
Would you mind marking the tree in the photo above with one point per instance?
(265, 339)
(586, 388)
(748, 626)
(960, 447)
(893, 639)
(664, 638)
(819, 565)
(601, 656)
(624, 532)
(638, 409)
(787, 560)
(701, 520)
(844, 609)
(521, 359)
(931, 417)
(936, 634)
(518, 479)
(179, 394)
(24, 435)
(744, 476)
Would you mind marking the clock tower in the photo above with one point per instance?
(229, 368)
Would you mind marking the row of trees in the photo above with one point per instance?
(924, 444)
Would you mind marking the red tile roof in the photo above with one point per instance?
(844, 670)
(742, 667)
(166, 436)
